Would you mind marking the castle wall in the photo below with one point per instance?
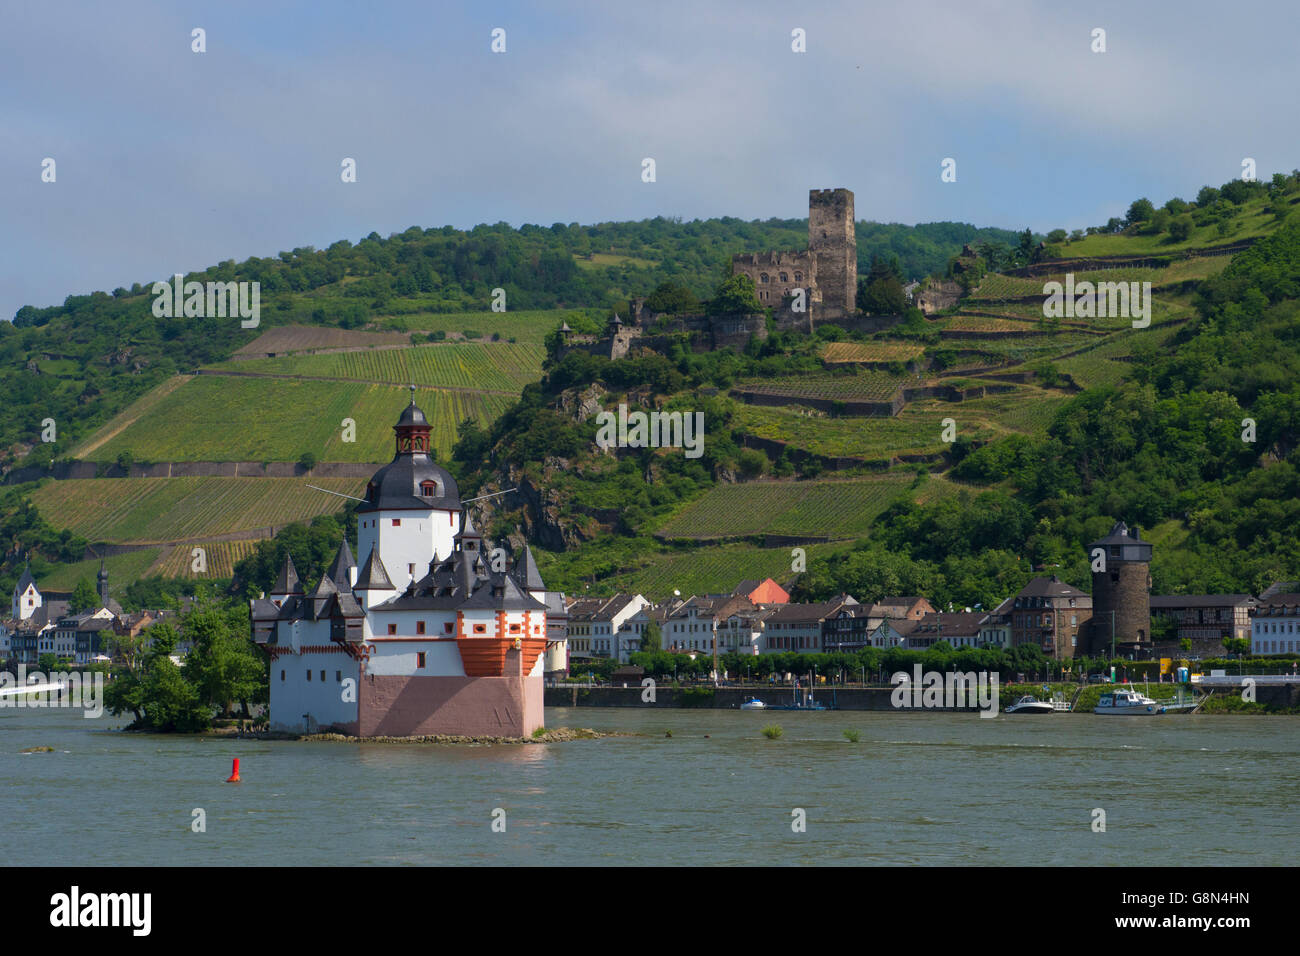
(777, 274)
(293, 695)
(396, 706)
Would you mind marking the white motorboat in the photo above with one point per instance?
(753, 703)
(1128, 702)
(1031, 705)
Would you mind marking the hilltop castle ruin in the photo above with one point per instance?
(827, 270)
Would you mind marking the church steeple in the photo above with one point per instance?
(102, 579)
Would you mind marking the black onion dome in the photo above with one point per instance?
(412, 415)
(412, 483)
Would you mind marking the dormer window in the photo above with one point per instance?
(429, 489)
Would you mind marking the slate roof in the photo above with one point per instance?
(1050, 587)
(24, 581)
(396, 486)
(373, 576)
(526, 572)
(343, 563)
(943, 625)
(287, 581)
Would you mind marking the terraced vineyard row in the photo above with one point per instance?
(876, 438)
(849, 352)
(865, 386)
(838, 509)
(172, 509)
(220, 418)
(499, 366)
(219, 560)
(529, 326)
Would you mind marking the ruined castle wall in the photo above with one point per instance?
(777, 274)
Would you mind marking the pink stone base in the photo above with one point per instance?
(393, 706)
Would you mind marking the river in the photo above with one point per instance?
(927, 788)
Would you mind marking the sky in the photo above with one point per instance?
(168, 160)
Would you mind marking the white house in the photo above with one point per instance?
(1275, 625)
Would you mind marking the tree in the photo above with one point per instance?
(651, 642)
(307, 461)
(224, 667)
(884, 296)
(672, 297)
(1140, 211)
(1180, 229)
(84, 597)
(735, 294)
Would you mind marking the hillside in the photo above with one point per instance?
(343, 332)
(1061, 425)
(932, 456)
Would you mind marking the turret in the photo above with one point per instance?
(1121, 588)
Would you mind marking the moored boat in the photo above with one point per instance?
(1031, 705)
(1128, 703)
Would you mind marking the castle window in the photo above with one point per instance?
(281, 675)
(762, 277)
(419, 627)
(798, 277)
(322, 677)
(480, 628)
(429, 489)
(419, 660)
(784, 277)
(338, 677)
(392, 628)
(309, 676)
(446, 628)
(514, 628)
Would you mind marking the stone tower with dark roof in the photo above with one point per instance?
(1121, 590)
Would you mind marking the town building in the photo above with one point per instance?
(958, 629)
(426, 637)
(1275, 625)
(1205, 619)
(1050, 613)
(995, 629)
(800, 628)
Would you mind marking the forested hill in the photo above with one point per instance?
(83, 361)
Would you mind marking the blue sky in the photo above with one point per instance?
(168, 160)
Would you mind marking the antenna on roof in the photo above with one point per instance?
(494, 494)
(339, 493)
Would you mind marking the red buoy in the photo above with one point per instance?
(234, 773)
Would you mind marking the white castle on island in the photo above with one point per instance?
(427, 637)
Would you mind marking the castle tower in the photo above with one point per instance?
(1121, 588)
(834, 244)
